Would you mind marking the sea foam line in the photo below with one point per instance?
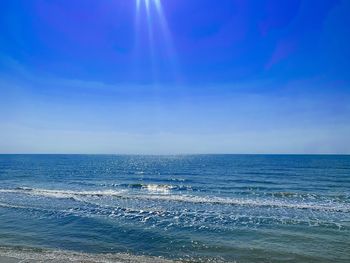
(62, 193)
(124, 194)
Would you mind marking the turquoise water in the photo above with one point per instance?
(243, 208)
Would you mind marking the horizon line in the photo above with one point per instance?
(173, 154)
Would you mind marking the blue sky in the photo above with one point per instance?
(174, 76)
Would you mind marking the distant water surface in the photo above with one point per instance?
(216, 208)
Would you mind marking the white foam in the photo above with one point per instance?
(11, 206)
(165, 196)
(158, 188)
(62, 193)
(249, 202)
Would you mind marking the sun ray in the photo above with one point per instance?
(151, 40)
(138, 4)
(147, 4)
(166, 35)
(157, 31)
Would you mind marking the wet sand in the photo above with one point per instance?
(30, 256)
(8, 260)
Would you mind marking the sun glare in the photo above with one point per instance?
(148, 3)
(151, 14)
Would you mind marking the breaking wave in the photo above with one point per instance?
(161, 193)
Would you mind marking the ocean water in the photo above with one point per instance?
(192, 208)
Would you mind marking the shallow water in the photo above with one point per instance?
(243, 208)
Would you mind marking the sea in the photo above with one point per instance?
(181, 208)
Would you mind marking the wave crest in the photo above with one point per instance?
(158, 194)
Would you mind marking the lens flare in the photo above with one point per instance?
(150, 17)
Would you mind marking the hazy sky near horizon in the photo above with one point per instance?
(174, 76)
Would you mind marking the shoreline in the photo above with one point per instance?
(4, 259)
(28, 255)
